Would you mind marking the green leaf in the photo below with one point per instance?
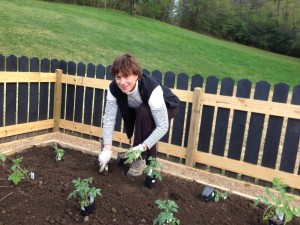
(84, 191)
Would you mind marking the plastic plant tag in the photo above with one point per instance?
(32, 175)
(208, 194)
(281, 216)
(150, 172)
(91, 199)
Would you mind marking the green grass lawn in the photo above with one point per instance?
(93, 35)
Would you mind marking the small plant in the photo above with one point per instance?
(133, 155)
(2, 159)
(84, 191)
(59, 153)
(278, 205)
(153, 169)
(166, 215)
(219, 195)
(17, 172)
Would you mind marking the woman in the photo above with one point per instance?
(146, 107)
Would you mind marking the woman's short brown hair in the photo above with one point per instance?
(126, 64)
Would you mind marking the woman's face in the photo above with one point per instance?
(126, 82)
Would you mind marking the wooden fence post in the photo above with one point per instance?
(194, 124)
(57, 100)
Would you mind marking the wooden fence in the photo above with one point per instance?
(235, 129)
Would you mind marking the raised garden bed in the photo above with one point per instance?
(124, 200)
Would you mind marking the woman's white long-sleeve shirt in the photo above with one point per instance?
(158, 110)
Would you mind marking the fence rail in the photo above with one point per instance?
(236, 130)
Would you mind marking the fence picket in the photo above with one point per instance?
(169, 81)
(239, 122)
(2, 62)
(88, 99)
(222, 119)
(54, 64)
(197, 81)
(23, 92)
(1, 104)
(178, 121)
(99, 98)
(157, 74)
(34, 91)
(274, 129)
(254, 138)
(63, 65)
(11, 93)
(292, 137)
(81, 67)
(23, 64)
(207, 116)
(70, 91)
(44, 91)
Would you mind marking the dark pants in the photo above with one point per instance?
(144, 126)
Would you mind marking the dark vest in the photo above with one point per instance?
(146, 86)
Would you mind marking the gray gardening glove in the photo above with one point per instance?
(104, 158)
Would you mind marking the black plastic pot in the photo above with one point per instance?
(149, 182)
(275, 221)
(90, 209)
(121, 158)
(208, 194)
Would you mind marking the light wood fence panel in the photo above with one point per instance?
(224, 129)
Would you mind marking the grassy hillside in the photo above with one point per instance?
(92, 35)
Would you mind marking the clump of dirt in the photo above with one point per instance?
(124, 200)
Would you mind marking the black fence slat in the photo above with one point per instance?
(207, 116)
(222, 119)
(98, 98)
(11, 96)
(71, 68)
(79, 94)
(44, 94)
(1, 104)
(22, 103)
(169, 81)
(45, 65)
(292, 138)
(23, 92)
(34, 64)
(108, 75)
(51, 99)
(63, 100)
(146, 72)
(157, 74)
(54, 64)
(11, 63)
(256, 125)
(70, 92)
(178, 121)
(2, 68)
(63, 65)
(2, 62)
(23, 64)
(239, 122)
(118, 125)
(275, 123)
(44, 91)
(88, 101)
(197, 81)
(34, 92)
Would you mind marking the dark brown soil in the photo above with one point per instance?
(124, 200)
